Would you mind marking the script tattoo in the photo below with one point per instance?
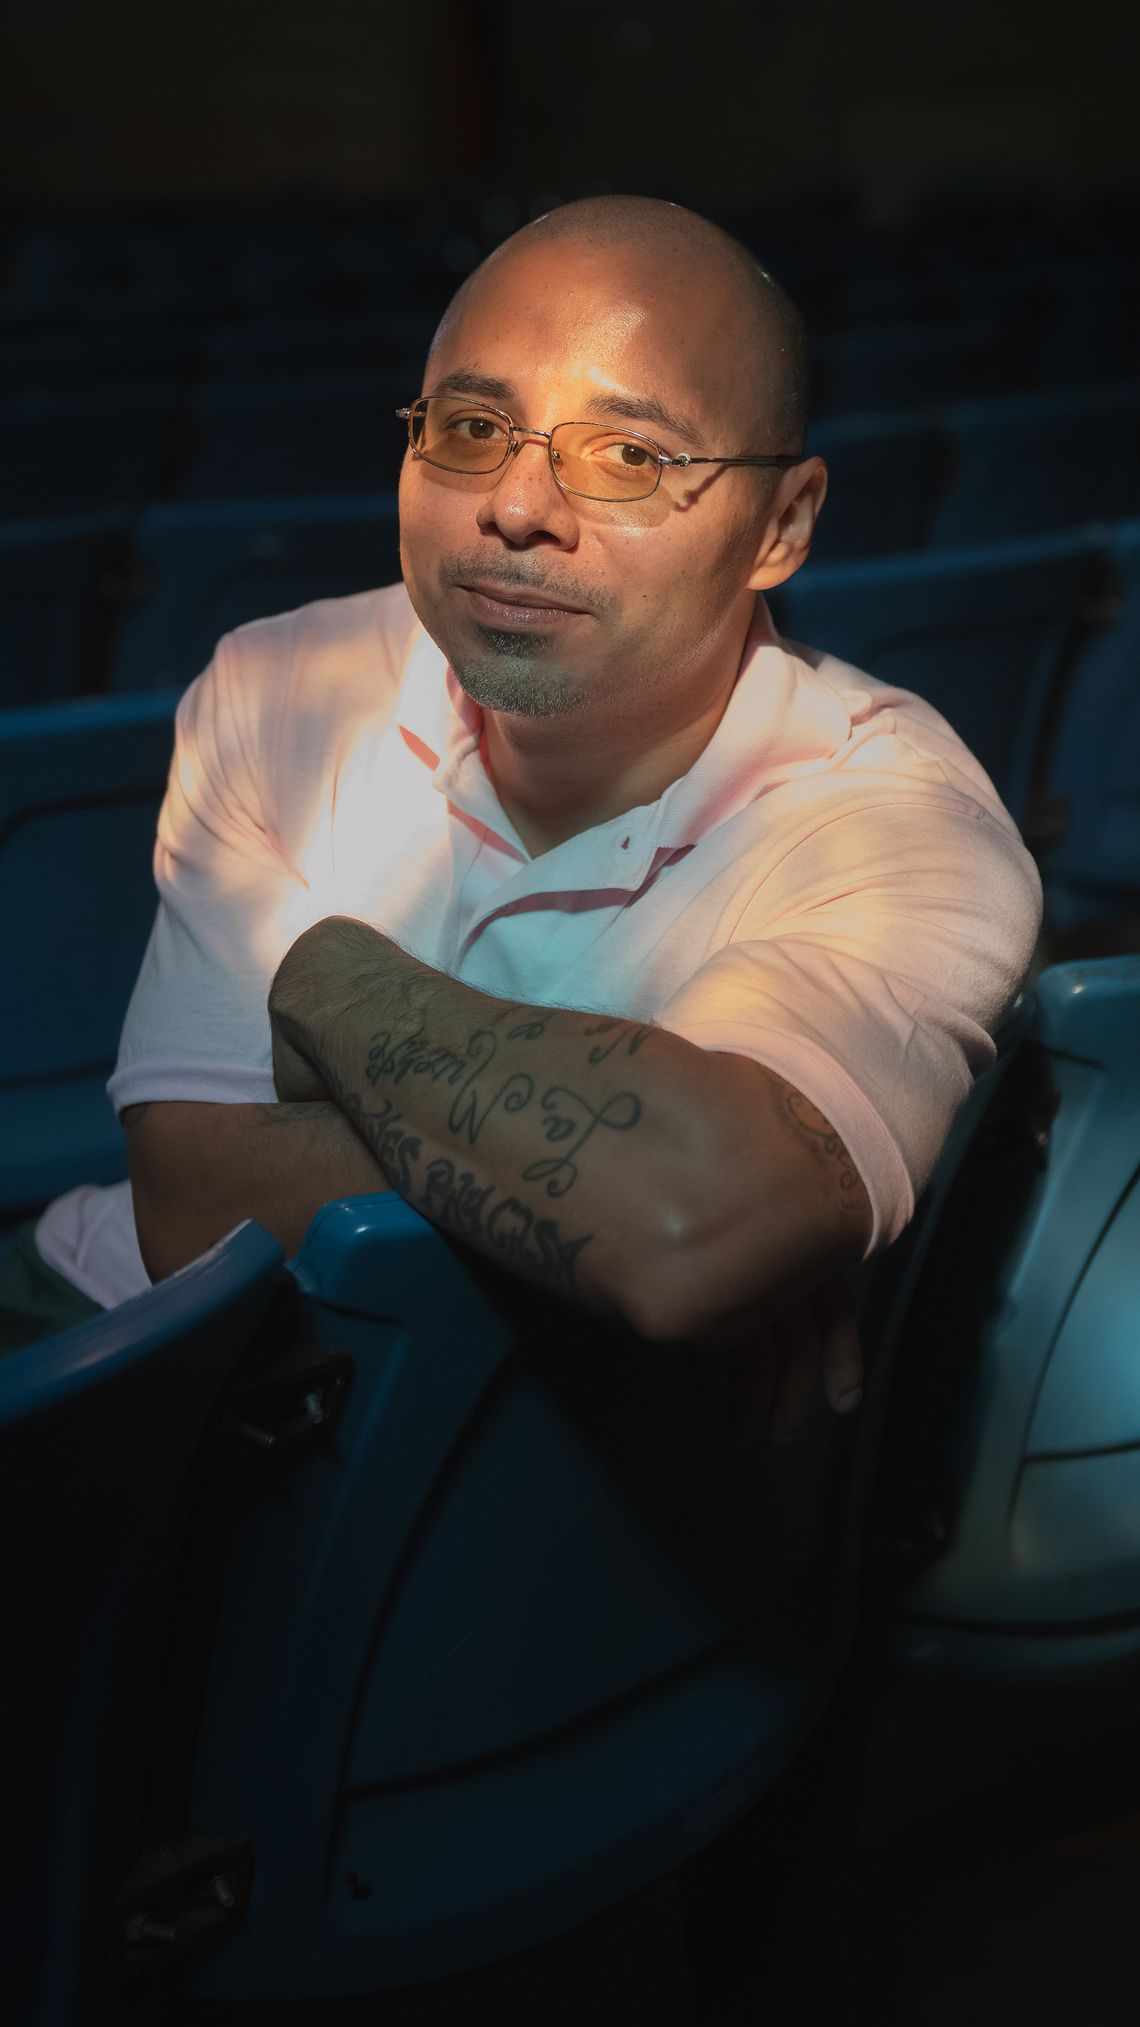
(503, 1224)
(473, 1211)
(828, 1145)
(606, 1027)
(568, 1114)
(471, 1108)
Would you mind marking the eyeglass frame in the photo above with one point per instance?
(517, 436)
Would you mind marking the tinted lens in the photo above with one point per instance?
(458, 435)
(604, 464)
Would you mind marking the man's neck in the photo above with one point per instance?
(557, 777)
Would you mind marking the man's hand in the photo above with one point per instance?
(768, 1380)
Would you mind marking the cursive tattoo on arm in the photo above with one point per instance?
(478, 1212)
(568, 1114)
(414, 1056)
(633, 1037)
(827, 1145)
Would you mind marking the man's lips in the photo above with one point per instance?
(532, 601)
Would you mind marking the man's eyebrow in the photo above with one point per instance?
(622, 407)
(644, 408)
(482, 385)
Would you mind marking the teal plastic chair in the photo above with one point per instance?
(1092, 772)
(58, 581)
(983, 634)
(99, 1428)
(203, 568)
(529, 1632)
(311, 434)
(1038, 462)
(80, 788)
(1016, 1419)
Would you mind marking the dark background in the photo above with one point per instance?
(140, 102)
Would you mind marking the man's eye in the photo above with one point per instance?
(632, 457)
(475, 428)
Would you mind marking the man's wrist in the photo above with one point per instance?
(333, 968)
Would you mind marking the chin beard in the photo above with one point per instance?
(511, 679)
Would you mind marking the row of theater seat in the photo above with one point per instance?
(903, 478)
(238, 265)
(907, 360)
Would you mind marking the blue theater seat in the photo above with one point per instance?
(1093, 766)
(80, 787)
(62, 453)
(885, 472)
(204, 568)
(1036, 462)
(914, 365)
(531, 1631)
(981, 633)
(58, 582)
(119, 353)
(320, 433)
(286, 345)
(1017, 1412)
(98, 1432)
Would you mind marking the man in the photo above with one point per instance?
(643, 952)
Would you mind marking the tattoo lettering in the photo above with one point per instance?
(635, 1039)
(386, 1136)
(566, 1115)
(458, 1202)
(507, 1227)
(827, 1145)
(470, 1110)
(531, 1030)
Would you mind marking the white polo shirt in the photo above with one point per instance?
(833, 889)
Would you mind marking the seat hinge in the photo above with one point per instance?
(294, 1404)
(182, 1900)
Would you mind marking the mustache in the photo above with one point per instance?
(517, 578)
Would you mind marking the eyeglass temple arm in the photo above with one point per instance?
(685, 459)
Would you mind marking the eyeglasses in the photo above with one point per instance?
(589, 459)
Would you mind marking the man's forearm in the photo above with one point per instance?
(584, 1152)
(199, 1169)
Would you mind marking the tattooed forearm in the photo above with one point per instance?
(478, 1212)
(828, 1148)
(563, 1114)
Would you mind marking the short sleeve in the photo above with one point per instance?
(872, 971)
(196, 1026)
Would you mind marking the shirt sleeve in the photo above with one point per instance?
(872, 972)
(196, 1026)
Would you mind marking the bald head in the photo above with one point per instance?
(764, 332)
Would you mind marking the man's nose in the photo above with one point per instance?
(525, 500)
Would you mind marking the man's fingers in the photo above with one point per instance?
(797, 1343)
(841, 1356)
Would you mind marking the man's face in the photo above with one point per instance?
(652, 595)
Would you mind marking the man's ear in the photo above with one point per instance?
(790, 524)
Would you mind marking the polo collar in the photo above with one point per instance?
(781, 715)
